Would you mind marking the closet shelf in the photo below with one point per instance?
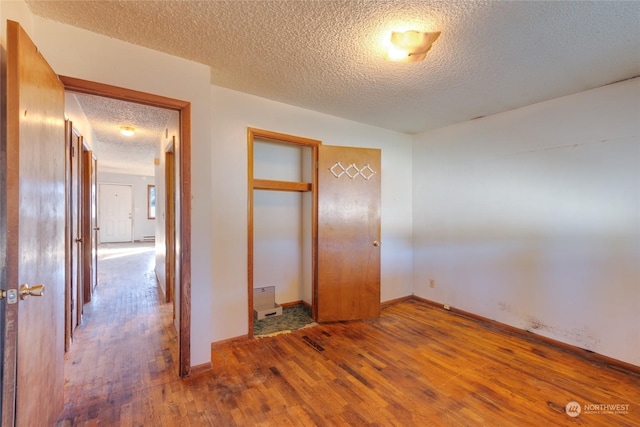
(268, 184)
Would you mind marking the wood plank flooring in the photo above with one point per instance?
(416, 365)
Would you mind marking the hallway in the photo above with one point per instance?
(126, 344)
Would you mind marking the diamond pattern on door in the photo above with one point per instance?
(352, 171)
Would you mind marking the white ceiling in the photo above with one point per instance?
(328, 56)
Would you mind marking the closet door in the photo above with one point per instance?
(348, 257)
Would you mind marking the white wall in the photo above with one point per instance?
(78, 119)
(141, 224)
(78, 53)
(277, 244)
(278, 239)
(232, 113)
(532, 218)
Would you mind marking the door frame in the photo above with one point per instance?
(184, 109)
(261, 184)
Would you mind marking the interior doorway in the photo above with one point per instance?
(282, 218)
(181, 201)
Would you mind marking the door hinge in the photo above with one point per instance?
(11, 295)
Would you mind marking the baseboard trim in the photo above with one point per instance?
(233, 340)
(291, 304)
(200, 369)
(580, 352)
(391, 302)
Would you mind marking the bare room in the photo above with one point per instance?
(446, 195)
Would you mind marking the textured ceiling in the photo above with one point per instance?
(327, 56)
(125, 154)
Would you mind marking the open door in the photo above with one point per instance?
(89, 253)
(74, 294)
(33, 184)
(348, 257)
(93, 202)
(170, 225)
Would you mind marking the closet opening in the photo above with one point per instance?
(282, 228)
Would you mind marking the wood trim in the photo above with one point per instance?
(391, 302)
(185, 241)
(87, 235)
(585, 354)
(426, 301)
(314, 233)
(268, 184)
(250, 186)
(234, 340)
(255, 133)
(294, 303)
(169, 227)
(184, 108)
(200, 369)
(291, 303)
(68, 236)
(72, 84)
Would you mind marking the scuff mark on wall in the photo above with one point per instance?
(504, 306)
(580, 337)
(535, 323)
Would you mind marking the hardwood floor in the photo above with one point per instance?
(415, 365)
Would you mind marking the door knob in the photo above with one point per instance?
(34, 291)
(79, 240)
(376, 243)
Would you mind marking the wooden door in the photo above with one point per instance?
(75, 280)
(95, 229)
(87, 255)
(170, 238)
(34, 187)
(348, 254)
(115, 213)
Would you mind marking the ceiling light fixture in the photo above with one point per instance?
(127, 130)
(410, 46)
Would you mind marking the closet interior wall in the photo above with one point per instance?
(282, 222)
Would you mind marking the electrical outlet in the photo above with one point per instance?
(432, 283)
(447, 307)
